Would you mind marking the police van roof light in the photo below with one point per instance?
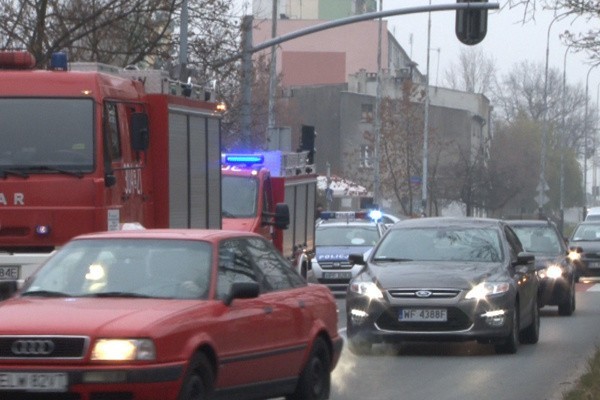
(246, 159)
(375, 215)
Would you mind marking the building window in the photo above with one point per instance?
(366, 112)
(366, 156)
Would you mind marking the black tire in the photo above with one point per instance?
(359, 347)
(198, 381)
(567, 307)
(531, 334)
(315, 379)
(511, 342)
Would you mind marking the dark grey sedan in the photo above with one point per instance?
(555, 269)
(585, 246)
(445, 279)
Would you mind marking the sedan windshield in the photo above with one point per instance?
(586, 232)
(346, 235)
(539, 240)
(440, 244)
(46, 136)
(126, 268)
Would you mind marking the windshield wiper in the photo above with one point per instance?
(7, 171)
(45, 293)
(227, 214)
(48, 168)
(118, 294)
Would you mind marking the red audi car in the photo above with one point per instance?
(168, 314)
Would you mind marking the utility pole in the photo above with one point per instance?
(273, 73)
(377, 152)
(426, 122)
(246, 108)
(183, 42)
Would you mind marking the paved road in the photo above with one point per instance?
(464, 371)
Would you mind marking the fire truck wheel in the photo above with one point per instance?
(315, 379)
(198, 381)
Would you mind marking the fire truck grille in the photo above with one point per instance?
(43, 347)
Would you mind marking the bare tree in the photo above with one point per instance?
(474, 72)
(522, 92)
(587, 40)
(119, 32)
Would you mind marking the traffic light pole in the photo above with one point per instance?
(248, 49)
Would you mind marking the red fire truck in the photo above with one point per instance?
(273, 194)
(88, 147)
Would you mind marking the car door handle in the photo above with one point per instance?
(268, 310)
(301, 304)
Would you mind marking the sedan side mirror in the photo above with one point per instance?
(525, 259)
(356, 259)
(242, 290)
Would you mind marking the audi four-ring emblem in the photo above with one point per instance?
(32, 347)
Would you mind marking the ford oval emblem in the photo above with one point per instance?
(423, 293)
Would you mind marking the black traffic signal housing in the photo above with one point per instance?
(307, 142)
(471, 24)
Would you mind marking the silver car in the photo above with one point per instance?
(338, 235)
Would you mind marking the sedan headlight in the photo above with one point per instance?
(574, 256)
(553, 271)
(484, 289)
(123, 350)
(368, 289)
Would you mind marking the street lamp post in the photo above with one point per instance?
(585, 140)
(543, 186)
(562, 143)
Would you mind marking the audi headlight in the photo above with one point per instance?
(368, 289)
(123, 350)
(484, 289)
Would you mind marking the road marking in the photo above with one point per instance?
(595, 288)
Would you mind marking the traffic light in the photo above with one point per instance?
(471, 24)
(308, 142)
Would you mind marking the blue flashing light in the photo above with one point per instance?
(42, 230)
(58, 61)
(245, 159)
(375, 215)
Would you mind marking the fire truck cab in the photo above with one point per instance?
(88, 147)
(273, 194)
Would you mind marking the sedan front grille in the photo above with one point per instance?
(43, 347)
(335, 264)
(457, 321)
(423, 293)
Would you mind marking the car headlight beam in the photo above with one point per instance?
(554, 271)
(123, 350)
(484, 289)
(368, 289)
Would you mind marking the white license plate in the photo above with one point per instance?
(34, 381)
(423, 315)
(9, 272)
(337, 275)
